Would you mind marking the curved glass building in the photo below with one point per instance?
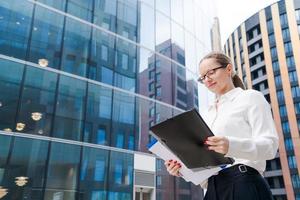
(82, 81)
(265, 50)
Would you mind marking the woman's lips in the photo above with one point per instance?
(212, 84)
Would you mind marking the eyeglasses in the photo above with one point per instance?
(209, 73)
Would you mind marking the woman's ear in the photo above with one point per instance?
(229, 69)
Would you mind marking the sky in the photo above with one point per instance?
(232, 13)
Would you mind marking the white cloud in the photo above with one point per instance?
(232, 13)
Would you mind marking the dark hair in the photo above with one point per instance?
(224, 60)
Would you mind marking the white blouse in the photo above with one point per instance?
(245, 118)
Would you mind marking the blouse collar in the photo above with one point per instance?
(230, 95)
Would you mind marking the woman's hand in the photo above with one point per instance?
(173, 167)
(218, 144)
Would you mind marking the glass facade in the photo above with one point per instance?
(82, 81)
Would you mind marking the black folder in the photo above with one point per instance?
(185, 135)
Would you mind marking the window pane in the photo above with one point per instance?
(102, 56)
(4, 150)
(270, 25)
(163, 36)
(37, 101)
(10, 79)
(189, 18)
(121, 176)
(283, 19)
(124, 116)
(15, 27)
(75, 49)
(70, 108)
(93, 174)
(81, 8)
(126, 57)
(177, 11)
(46, 37)
(98, 115)
(297, 13)
(30, 164)
(125, 82)
(63, 171)
(177, 42)
(147, 27)
(288, 47)
(127, 19)
(105, 14)
(164, 7)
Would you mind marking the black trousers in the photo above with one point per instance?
(238, 182)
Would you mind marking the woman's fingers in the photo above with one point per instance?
(213, 143)
(218, 144)
(173, 167)
(218, 149)
(167, 162)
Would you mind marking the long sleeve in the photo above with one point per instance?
(263, 143)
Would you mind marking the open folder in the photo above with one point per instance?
(184, 135)
(182, 138)
(196, 177)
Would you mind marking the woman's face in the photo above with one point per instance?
(215, 77)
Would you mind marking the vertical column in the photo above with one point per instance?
(246, 56)
(275, 107)
(231, 51)
(237, 53)
(226, 48)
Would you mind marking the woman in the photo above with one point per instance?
(244, 129)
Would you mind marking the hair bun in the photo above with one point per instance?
(237, 82)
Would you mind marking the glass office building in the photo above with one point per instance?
(265, 49)
(82, 81)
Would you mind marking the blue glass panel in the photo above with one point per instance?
(46, 37)
(76, 47)
(30, 164)
(98, 115)
(125, 82)
(105, 12)
(81, 8)
(101, 135)
(121, 173)
(120, 140)
(37, 101)
(106, 75)
(10, 78)
(102, 57)
(131, 142)
(126, 57)
(70, 108)
(94, 171)
(63, 171)
(127, 19)
(4, 150)
(99, 195)
(124, 116)
(15, 27)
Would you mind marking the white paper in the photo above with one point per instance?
(187, 174)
